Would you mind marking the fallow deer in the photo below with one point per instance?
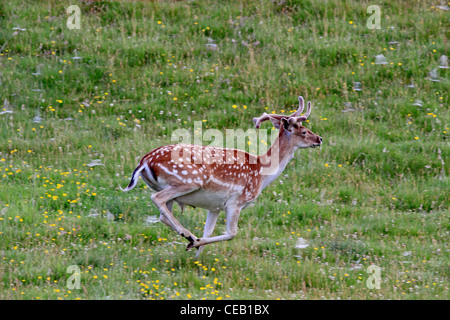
(220, 179)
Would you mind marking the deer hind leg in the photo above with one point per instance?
(210, 223)
(232, 221)
(164, 201)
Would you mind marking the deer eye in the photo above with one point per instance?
(304, 133)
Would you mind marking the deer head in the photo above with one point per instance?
(291, 126)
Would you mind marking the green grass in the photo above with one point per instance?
(376, 193)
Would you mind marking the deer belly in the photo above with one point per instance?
(205, 199)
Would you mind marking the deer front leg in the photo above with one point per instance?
(164, 200)
(232, 221)
(210, 223)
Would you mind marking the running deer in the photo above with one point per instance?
(219, 179)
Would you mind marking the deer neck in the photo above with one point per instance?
(274, 161)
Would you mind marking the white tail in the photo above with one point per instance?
(219, 179)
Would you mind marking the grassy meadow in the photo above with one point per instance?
(78, 108)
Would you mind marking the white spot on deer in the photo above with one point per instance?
(170, 172)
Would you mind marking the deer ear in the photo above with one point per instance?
(287, 123)
(276, 122)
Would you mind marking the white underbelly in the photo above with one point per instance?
(205, 199)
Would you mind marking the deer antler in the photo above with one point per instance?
(300, 107)
(308, 109)
(295, 117)
(303, 117)
(258, 121)
(265, 116)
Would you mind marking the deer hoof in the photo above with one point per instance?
(193, 244)
(190, 246)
